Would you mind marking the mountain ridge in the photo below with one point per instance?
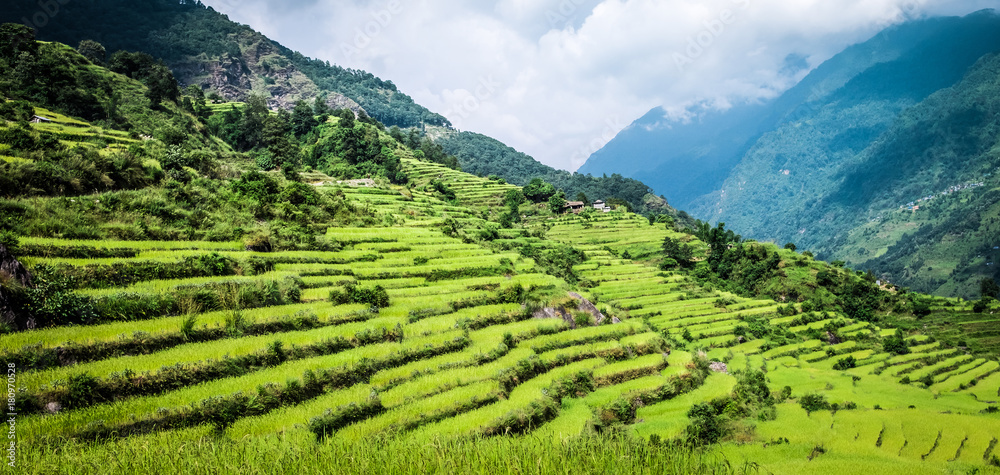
(803, 179)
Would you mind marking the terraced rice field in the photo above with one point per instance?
(461, 348)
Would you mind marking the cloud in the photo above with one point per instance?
(559, 78)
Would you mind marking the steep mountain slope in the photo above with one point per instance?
(814, 178)
(204, 47)
(921, 204)
(685, 159)
(874, 128)
(483, 156)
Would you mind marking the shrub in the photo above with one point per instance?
(845, 363)
(982, 305)
(376, 297)
(512, 294)
(705, 427)
(814, 402)
(896, 344)
(921, 309)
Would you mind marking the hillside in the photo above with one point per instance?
(484, 156)
(686, 159)
(255, 314)
(882, 125)
(204, 48)
(814, 180)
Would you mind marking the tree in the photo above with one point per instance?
(198, 106)
(557, 202)
(705, 427)
(538, 190)
(513, 199)
(251, 129)
(320, 106)
(989, 288)
(896, 344)
(93, 51)
(303, 120)
(680, 253)
(791, 247)
(161, 84)
(582, 197)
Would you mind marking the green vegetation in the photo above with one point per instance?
(481, 155)
(457, 323)
(200, 41)
(896, 177)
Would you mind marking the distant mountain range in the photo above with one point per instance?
(909, 114)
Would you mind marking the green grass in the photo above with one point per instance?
(669, 418)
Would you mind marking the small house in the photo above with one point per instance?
(599, 205)
(39, 119)
(575, 206)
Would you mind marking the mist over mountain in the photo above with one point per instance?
(813, 165)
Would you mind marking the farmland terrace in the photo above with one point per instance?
(433, 325)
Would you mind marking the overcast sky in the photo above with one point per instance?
(557, 79)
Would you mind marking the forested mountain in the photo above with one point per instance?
(879, 126)
(482, 155)
(310, 288)
(686, 159)
(203, 47)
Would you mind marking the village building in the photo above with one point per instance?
(600, 205)
(575, 206)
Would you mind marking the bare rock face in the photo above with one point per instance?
(555, 313)
(340, 101)
(719, 367)
(13, 275)
(583, 305)
(586, 306)
(260, 66)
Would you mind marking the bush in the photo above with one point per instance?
(896, 344)
(921, 309)
(376, 297)
(814, 402)
(705, 427)
(845, 364)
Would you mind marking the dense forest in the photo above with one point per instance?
(192, 38)
(482, 155)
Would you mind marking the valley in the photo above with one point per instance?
(200, 283)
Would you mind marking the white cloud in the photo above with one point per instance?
(557, 78)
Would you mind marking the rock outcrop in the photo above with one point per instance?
(583, 305)
(13, 278)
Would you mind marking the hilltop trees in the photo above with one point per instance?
(93, 51)
(154, 74)
(676, 253)
(537, 190)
